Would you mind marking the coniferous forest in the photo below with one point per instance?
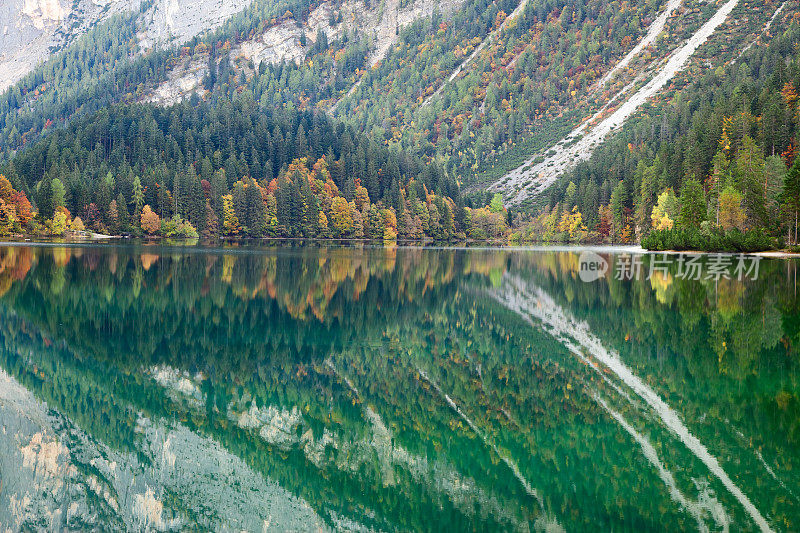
(234, 170)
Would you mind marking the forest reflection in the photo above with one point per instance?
(403, 388)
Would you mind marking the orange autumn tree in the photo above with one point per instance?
(6, 190)
(362, 197)
(23, 207)
(151, 222)
(16, 208)
(8, 218)
(789, 94)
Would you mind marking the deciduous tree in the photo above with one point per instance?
(151, 222)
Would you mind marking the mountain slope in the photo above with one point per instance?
(725, 137)
(537, 174)
(32, 30)
(486, 95)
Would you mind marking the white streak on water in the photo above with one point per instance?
(510, 462)
(531, 300)
(771, 472)
(574, 349)
(696, 509)
(463, 491)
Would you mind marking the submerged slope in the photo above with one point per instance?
(529, 300)
(172, 476)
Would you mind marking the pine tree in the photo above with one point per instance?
(197, 202)
(211, 78)
(138, 196)
(105, 194)
(693, 204)
(254, 207)
(122, 212)
(750, 180)
(211, 229)
(113, 217)
(646, 177)
(791, 194)
(301, 143)
(618, 202)
(219, 188)
(57, 193)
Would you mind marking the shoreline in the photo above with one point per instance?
(231, 244)
(778, 254)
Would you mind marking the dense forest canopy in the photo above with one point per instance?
(236, 169)
(535, 76)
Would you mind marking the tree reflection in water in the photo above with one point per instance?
(388, 388)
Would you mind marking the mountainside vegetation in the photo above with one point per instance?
(719, 158)
(458, 99)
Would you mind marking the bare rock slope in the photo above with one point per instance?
(379, 22)
(31, 30)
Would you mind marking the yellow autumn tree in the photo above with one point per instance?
(789, 94)
(665, 211)
(230, 222)
(571, 222)
(731, 213)
(77, 224)
(8, 217)
(341, 219)
(59, 223)
(362, 197)
(322, 224)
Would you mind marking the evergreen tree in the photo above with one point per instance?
(791, 195)
(123, 218)
(138, 196)
(693, 204)
(618, 204)
(57, 193)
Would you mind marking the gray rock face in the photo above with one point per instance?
(281, 42)
(31, 30)
(58, 478)
(177, 21)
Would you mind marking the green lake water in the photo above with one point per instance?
(350, 388)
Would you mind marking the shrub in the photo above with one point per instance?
(176, 227)
(711, 240)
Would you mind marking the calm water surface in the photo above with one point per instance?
(392, 389)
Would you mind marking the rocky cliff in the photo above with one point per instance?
(31, 30)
